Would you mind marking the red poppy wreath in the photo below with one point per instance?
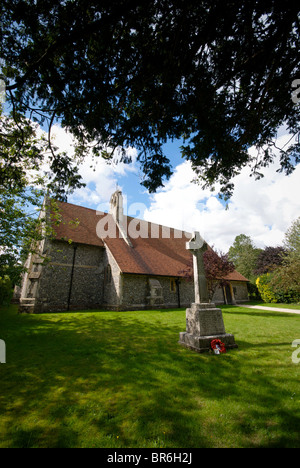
(218, 346)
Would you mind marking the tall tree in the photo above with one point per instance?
(286, 279)
(23, 186)
(244, 255)
(292, 239)
(27, 159)
(19, 227)
(123, 73)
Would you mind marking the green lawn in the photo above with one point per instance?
(120, 379)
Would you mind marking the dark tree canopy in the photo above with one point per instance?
(123, 73)
(269, 259)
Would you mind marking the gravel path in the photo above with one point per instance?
(275, 309)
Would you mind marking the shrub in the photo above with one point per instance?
(6, 290)
(286, 291)
(286, 279)
(272, 289)
(289, 296)
(253, 292)
(265, 289)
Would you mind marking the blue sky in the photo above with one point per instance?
(263, 209)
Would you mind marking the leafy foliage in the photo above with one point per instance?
(292, 239)
(286, 279)
(6, 290)
(19, 227)
(265, 290)
(283, 283)
(125, 73)
(269, 259)
(23, 186)
(27, 159)
(253, 292)
(217, 268)
(278, 287)
(244, 255)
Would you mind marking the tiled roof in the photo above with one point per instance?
(81, 232)
(161, 254)
(151, 256)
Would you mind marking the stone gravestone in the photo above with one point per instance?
(204, 322)
(156, 293)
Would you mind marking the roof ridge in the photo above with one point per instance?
(126, 216)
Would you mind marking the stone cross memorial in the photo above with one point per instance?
(198, 246)
(204, 322)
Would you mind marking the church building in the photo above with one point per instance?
(111, 261)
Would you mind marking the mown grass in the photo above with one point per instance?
(120, 379)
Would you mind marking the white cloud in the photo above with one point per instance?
(262, 209)
(101, 178)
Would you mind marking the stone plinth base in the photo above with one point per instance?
(204, 323)
(201, 344)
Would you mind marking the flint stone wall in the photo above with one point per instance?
(94, 288)
(55, 279)
(240, 290)
(136, 291)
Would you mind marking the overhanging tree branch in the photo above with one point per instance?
(128, 73)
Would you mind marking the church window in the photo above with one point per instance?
(172, 285)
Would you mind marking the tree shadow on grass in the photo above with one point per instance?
(244, 345)
(124, 381)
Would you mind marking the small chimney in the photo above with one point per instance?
(116, 210)
(116, 207)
